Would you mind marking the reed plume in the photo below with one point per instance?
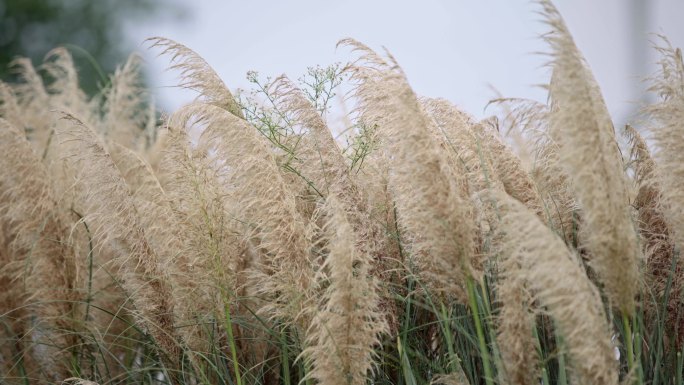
(429, 204)
(653, 225)
(347, 323)
(588, 151)
(9, 107)
(206, 265)
(559, 284)
(508, 168)
(322, 162)
(456, 131)
(196, 74)
(126, 116)
(31, 98)
(116, 226)
(321, 159)
(559, 207)
(516, 322)
(62, 83)
(667, 131)
(41, 267)
(270, 218)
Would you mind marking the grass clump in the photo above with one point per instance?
(244, 240)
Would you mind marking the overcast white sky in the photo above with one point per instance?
(457, 49)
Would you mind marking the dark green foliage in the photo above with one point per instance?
(92, 30)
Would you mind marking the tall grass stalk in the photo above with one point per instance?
(484, 349)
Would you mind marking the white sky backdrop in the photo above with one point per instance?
(454, 49)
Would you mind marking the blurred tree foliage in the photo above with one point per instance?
(93, 31)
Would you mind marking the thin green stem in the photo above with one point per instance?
(231, 340)
(446, 328)
(484, 352)
(628, 341)
(285, 360)
(562, 374)
(542, 360)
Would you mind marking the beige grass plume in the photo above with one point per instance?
(590, 156)
(516, 321)
(37, 104)
(321, 158)
(531, 118)
(9, 107)
(269, 218)
(668, 137)
(37, 236)
(126, 114)
(653, 224)
(206, 268)
(431, 211)
(323, 162)
(667, 133)
(30, 88)
(559, 284)
(150, 200)
(275, 275)
(347, 323)
(116, 226)
(462, 145)
(471, 167)
(31, 97)
(63, 82)
(197, 75)
(655, 231)
(516, 181)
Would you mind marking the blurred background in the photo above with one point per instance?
(468, 51)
